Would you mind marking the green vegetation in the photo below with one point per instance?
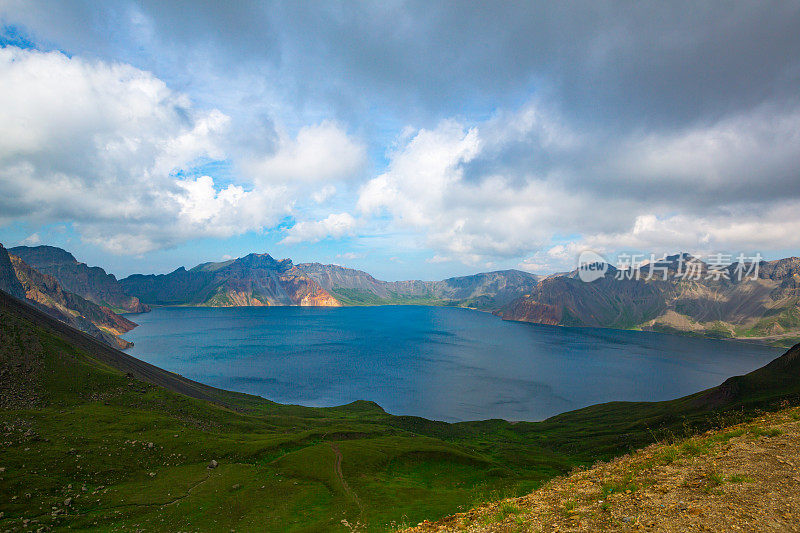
(719, 329)
(220, 299)
(695, 447)
(142, 451)
(780, 320)
(615, 487)
(89, 441)
(784, 342)
(505, 510)
(713, 480)
(669, 455)
(364, 297)
(569, 507)
(760, 432)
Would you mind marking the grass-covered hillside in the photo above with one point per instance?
(93, 438)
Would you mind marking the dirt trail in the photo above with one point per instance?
(337, 468)
(742, 478)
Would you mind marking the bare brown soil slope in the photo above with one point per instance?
(740, 478)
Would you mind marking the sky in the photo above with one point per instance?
(408, 139)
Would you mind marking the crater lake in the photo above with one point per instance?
(441, 363)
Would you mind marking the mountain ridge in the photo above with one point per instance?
(252, 280)
(766, 308)
(92, 283)
(484, 290)
(42, 290)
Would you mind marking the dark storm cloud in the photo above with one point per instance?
(619, 63)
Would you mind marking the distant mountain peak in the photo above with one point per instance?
(485, 290)
(685, 256)
(264, 261)
(253, 280)
(43, 254)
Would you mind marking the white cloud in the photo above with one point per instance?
(103, 145)
(749, 156)
(420, 174)
(320, 153)
(425, 188)
(335, 225)
(31, 240)
(561, 257)
(113, 150)
(511, 186)
(740, 229)
(323, 194)
(350, 256)
(530, 265)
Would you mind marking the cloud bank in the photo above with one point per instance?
(113, 150)
(509, 134)
(507, 186)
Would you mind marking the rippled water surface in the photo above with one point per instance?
(440, 363)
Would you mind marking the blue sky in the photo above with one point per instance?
(408, 139)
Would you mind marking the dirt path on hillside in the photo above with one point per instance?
(337, 468)
(743, 478)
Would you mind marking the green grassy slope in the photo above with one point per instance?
(93, 438)
(77, 414)
(364, 297)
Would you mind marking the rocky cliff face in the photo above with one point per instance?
(488, 290)
(332, 277)
(603, 303)
(253, 280)
(44, 292)
(91, 283)
(8, 279)
(527, 309)
(767, 307)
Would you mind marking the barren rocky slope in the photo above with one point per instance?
(486, 290)
(91, 283)
(766, 308)
(26, 283)
(8, 278)
(253, 280)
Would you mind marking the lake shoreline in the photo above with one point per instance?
(434, 362)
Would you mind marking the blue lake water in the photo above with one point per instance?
(440, 363)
